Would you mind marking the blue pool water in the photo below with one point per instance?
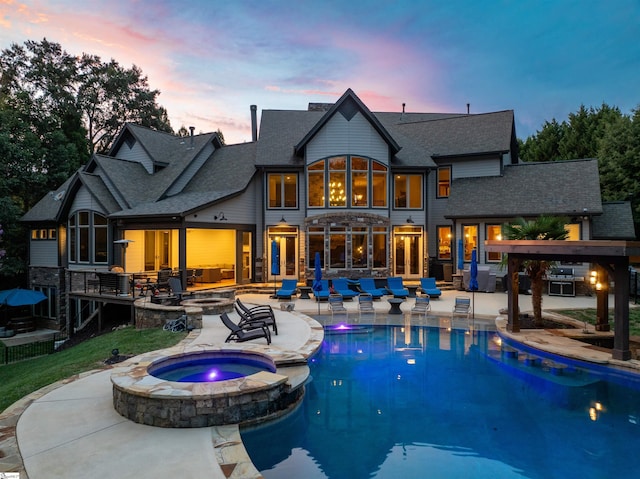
(390, 402)
(202, 368)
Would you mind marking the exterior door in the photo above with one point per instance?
(287, 250)
(408, 254)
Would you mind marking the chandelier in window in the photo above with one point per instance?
(336, 193)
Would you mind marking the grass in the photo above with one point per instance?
(589, 315)
(22, 378)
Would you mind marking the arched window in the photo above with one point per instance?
(352, 182)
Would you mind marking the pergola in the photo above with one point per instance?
(611, 259)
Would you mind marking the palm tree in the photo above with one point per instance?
(541, 228)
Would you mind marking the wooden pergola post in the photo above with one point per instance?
(513, 309)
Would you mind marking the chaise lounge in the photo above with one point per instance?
(323, 292)
(395, 286)
(368, 285)
(341, 287)
(428, 286)
(244, 333)
(289, 288)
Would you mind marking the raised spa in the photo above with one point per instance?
(183, 390)
(210, 367)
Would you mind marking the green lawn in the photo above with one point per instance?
(589, 315)
(19, 379)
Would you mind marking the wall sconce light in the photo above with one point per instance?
(410, 220)
(282, 221)
(220, 216)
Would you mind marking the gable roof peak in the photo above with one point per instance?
(348, 105)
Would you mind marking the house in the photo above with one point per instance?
(377, 194)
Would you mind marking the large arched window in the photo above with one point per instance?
(352, 182)
(88, 238)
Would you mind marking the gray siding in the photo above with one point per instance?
(342, 137)
(135, 153)
(84, 200)
(43, 253)
(474, 168)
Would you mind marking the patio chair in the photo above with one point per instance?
(324, 292)
(428, 287)
(422, 305)
(365, 304)
(162, 284)
(260, 313)
(244, 333)
(341, 287)
(368, 285)
(336, 305)
(461, 307)
(395, 286)
(289, 288)
(175, 285)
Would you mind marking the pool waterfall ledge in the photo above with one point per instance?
(146, 399)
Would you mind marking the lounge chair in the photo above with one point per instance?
(341, 287)
(422, 305)
(461, 307)
(365, 304)
(244, 333)
(289, 288)
(428, 286)
(368, 285)
(324, 292)
(260, 313)
(395, 286)
(336, 305)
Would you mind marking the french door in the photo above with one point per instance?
(408, 255)
(285, 255)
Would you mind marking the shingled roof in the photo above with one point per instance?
(616, 222)
(529, 189)
(417, 138)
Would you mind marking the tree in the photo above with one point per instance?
(56, 109)
(109, 95)
(619, 162)
(542, 228)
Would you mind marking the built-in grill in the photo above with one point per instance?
(562, 282)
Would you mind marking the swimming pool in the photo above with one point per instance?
(419, 402)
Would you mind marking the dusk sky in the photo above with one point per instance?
(211, 59)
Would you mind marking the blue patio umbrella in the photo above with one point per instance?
(21, 297)
(473, 279)
(317, 276)
(460, 256)
(275, 263)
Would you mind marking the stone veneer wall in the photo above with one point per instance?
(151, 315)
(183, 412)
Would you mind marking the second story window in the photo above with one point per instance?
(444, 181)
(283, 190)
(347, 182)
(407, 191)
(87, 235)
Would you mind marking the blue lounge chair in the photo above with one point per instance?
(428, 286)
(396, 287)
(324, 292)
(368, 285)
(341, 287)
(289, 288)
